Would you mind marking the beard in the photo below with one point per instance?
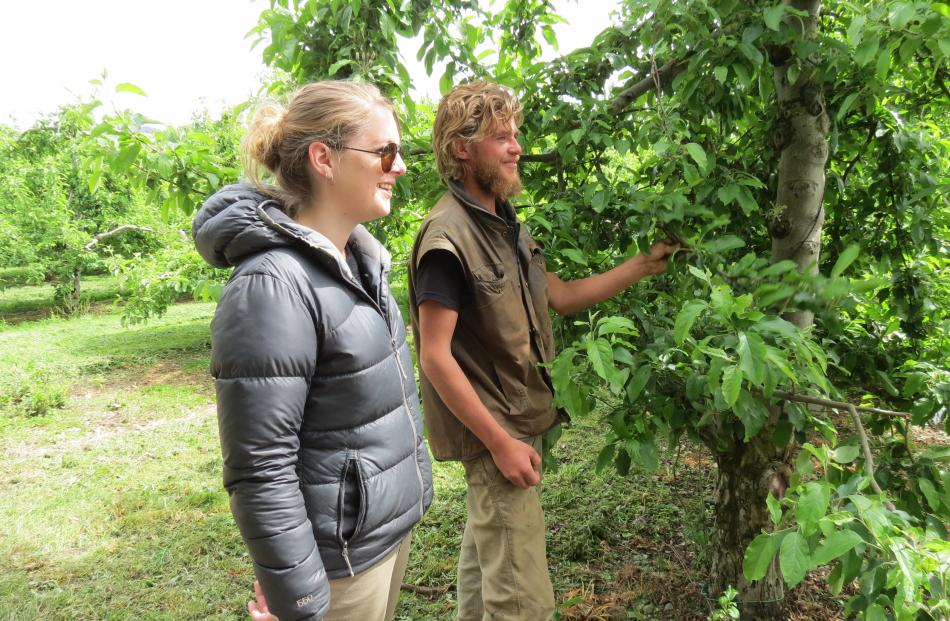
(489, 176)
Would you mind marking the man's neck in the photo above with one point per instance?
(476, 191)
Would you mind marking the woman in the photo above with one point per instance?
(317, 408)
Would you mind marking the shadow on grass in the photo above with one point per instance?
(146, 343)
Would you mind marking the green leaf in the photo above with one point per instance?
(773, 16)
(649, 456)
(96, 167)
(686, 318)
(837, 544)
(812, 506)
(775, 508)
(845, 454)
(752, 363)
(601, 356)
(846, 105)
(721, 73)
(337, 66)
(856, 30)
(915, 381)
(605, 457)
(728, 193)
(941, 8)
(902, 14)
(746, 201)
(750, 52)
(638, 382)
(846, 258)
(930, 491)
(731, 384)
(127, 87)
(696, 152)
(875, 612)
(723, 244)
(575, 255)
(758, 557)
(867, 50)
(793, 559)
(777, 325)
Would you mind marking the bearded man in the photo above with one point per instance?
(479, 294)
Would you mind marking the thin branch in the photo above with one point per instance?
(119, 229)
(868, 458)
(838, 405)
(426, 591)
(867, 143)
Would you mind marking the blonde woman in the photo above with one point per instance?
(318, 413)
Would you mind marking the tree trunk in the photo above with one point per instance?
(748, 471)
(801, 137)
(75, 295)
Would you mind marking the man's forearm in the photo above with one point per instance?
(458, 394)
(577, 295)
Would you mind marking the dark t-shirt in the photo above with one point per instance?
(440, 279)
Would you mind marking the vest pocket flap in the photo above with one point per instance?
(490, 277)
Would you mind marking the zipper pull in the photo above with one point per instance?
(346, 557)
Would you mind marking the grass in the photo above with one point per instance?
(113, 506)
(36, 301)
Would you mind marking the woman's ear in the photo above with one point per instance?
(321, 159)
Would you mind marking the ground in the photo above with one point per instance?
(113, 505)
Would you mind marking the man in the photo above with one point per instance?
(479, 296)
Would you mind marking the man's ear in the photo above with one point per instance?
(463, 149)
(321, 159)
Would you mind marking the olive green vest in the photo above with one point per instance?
(504, 333)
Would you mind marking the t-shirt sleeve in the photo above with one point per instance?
(440, 278)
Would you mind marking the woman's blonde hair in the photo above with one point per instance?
(469, 112)
(279, 137)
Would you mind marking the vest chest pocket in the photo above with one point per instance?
(489, 283)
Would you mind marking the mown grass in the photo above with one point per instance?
(36, 301)
(113, 507)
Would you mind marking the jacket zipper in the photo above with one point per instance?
(403, 378)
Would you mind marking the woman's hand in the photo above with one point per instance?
(258, 609)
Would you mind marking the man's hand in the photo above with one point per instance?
(518, 462)
(657, 259)
(258, 609)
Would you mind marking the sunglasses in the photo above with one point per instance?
(387, 155)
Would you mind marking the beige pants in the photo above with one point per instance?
(371, 595)
(503, 570)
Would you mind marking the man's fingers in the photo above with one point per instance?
(535, 458)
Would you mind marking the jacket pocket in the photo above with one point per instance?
(351, 508)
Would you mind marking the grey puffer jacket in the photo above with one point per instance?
(318, 412)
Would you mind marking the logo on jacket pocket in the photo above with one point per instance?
(303, 601)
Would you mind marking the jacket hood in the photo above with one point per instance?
(239, 221)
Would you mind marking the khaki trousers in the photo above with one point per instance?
(371, 595)
(503, 569)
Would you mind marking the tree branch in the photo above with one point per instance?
(868, 459)
(119, 229)
(661, 76)
(862, 435)
(838, 405)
